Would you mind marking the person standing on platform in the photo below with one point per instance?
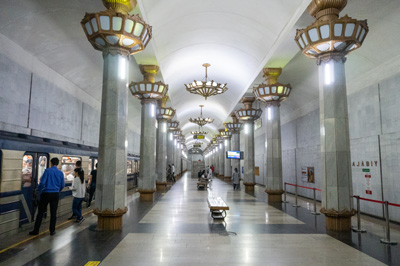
(50, 186)
(212, 169)
(92, 185)
(173, 172)
(78, 192)
(236, 179)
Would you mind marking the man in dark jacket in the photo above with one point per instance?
(51, 183)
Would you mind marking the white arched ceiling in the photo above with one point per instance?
(236, 37)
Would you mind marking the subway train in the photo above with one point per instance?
(23, 159)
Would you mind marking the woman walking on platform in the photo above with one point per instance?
(78, 191)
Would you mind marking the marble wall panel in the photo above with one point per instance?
(364, 113)
(365, 155)
(390, 104)
(14, 92)
(54, 111)
(390, 149)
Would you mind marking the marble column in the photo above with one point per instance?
(161, 155)
(248, 114)
(335, 145)
(148, 134)
(235, 147)
(216, 159)
(227, 163)
(111, 178)
(222, 159)
(170, 148)
(249, 163)
(274, 152)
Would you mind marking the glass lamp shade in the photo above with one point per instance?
(342, 36)
(173, 125)
(165, 113)
(199, 132)
(148, 90)
(201, 121)
(248, 114)
(177, 132)
(233, 127)
(206, 88)
(272, 93)
(225, 134)
(110, 29)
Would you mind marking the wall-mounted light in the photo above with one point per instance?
(246, 129)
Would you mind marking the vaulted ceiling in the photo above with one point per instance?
(238, 39)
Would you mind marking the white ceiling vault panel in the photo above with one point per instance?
(236, 37)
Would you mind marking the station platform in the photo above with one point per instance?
(177, 229)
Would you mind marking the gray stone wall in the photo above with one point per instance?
(374, 121)
(35, 100)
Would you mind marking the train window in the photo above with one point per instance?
(90, 165)
(26, 176)
(68, 166)
(129, 167)
(133, 166)
(42, 166)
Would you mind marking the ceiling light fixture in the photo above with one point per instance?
(201, 121)
(207, 87)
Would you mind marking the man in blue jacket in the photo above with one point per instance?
(51, 183)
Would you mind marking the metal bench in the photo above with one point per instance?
(218, 207)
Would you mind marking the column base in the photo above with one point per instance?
(338, 221)
(227, 178)
(147, 194)
(249, 187)
(108, 220)
(274, 196)
(161, 186)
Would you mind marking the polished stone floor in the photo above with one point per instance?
(177, 229)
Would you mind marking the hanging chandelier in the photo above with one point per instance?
(207, 87)
(201, 121)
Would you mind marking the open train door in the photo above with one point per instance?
(33, 166)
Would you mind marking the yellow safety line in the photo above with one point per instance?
(92, 263)
(32, 237)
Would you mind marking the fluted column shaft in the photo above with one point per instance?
(235, 147)
(161, 155)
(335, 145)
(222, 160)
(227, 163)
(216, 158)
(111, 177)
(249, 164)
(170, 148)
(274, 154)
(148, 134)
